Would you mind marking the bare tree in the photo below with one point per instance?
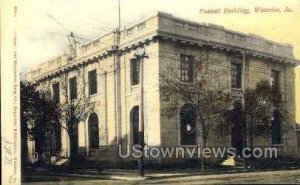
(72, 112)
(205, 93)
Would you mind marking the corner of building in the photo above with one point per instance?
(297, 97)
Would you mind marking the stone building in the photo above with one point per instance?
(107, 70)
(297, 84)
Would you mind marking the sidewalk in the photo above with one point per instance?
(133, 175)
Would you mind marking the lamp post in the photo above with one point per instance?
(140, 55)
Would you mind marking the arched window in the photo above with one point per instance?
(188, 117)
(237, 118)
(57, 132)
(134, 120)
(276, 128)
(93, 131)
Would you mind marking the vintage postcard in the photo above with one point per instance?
(150, 92)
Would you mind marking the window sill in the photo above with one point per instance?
(186, 83)
(93, 95)
(135, 86)
(236, 89)
(94, 149)
(277, 145)
(187, 145)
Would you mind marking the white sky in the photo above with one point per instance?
(42, 25)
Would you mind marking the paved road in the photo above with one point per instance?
(285, 177)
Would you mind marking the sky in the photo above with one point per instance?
(42, 25)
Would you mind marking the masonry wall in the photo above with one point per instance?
(170, 53)
(260, 69)
(255, 70)
(297, 85)
(159, 130)
(169, 57)
(165, 38)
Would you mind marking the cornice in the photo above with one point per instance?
(224, 47)
(97, 56)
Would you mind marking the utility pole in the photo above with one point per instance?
(119, 26)
(117, 80)
(140, 55)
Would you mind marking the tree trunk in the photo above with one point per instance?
(24, 147)
(251, 138)
(203, 144)
(245, 141)
(73, 151)
(200, 134)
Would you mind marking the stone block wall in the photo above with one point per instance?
(256, 70)
(204, 41)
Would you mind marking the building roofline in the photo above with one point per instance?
(219, 27)
(170, 16)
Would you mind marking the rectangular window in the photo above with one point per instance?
(186, 68)
(275, 79)
(92, 78)
(73, 88)
(55, 90)
(236, 75)
(135, 71)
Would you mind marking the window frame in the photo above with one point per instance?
(134, 124)
(92, 82)
(56, 92)
(275, 81)
(187, 68)
(73, 88)
(187, 117)
(135, 71)
(93, 129)
(236, 75)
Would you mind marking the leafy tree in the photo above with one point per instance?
(263, 114)
(37, 118)
(263, 107)
(28, 96)
(44, 115)
(46, 124)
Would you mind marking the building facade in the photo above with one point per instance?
(297, 84)
(107, 70)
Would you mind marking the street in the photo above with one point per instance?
(282, 177)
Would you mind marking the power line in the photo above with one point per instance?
(63, 27)
(95, 32)
(91, 24)
(57, 22)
